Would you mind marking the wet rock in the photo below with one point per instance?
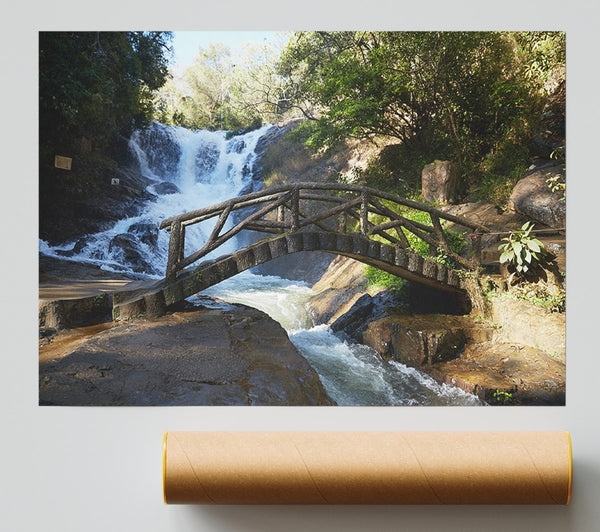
(207, 157)
(203, 357)
(146, 232)
(162, 151)
(125, 245)
(236, 145)
(77, 248)
(166, 187)
(343, 283)
(417, 340)
(368, 309)
(533, 197)
(353, 321)
(439, 181)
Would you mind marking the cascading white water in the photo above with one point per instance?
(196, 169)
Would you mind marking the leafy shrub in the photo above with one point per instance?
(521, 252)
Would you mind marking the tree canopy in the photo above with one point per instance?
(93, 88)
(458, 95)
(225, 90)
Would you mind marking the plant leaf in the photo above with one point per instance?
(517, 246)
(506, 256)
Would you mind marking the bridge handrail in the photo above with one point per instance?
(289, 196)
(244, 201)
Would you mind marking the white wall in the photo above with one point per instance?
(99, 469)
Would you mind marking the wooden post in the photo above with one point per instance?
(181, 244)
(477, 249)
(295, 201)
(364, 213)
(175, 249)
(343, 222)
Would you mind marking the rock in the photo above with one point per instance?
(166, 187)
(533, 198)
(207, 158)
(126, 246)
(307, 266)
(146, 232)
(162, 151)
(61, 222)
(527, 324)
(417, 340)
(353, 321)
(343, 283)
(77, 248)
(439, 182)
(487, 359)
(203, 357)
(367, 309)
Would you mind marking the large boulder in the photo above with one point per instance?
(164, 188)
(439, 181)
(533, 197)
(236, 356)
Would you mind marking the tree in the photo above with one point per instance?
(224, 90)
(94, 88)
(458, 95)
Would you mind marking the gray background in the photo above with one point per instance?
(98, 469)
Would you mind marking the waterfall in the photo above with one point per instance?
(189, 170)
(194, 169)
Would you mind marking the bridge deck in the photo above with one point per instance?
(400, 262)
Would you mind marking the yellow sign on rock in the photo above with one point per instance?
(62, 162)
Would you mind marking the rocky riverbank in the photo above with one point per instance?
(513, 352)
(218, 354)
(210, 354)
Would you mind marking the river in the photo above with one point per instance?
(191, 170)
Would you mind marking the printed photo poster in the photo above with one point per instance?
(351, 218)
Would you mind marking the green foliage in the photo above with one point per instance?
(502, 398)
(543, 54)
(472, 97)
(94, 88)
(255, 124)
(379, 278)
(224, 90)
(521, 251)
(556, 183)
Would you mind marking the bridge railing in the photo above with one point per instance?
(287, 208)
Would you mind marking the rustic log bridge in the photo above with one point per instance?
(353, 201)
(301, 218)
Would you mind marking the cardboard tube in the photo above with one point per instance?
(367, 467)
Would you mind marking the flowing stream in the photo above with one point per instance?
(191, 170)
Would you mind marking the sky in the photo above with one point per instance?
(187, 43)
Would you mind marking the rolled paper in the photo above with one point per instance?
(367, 467)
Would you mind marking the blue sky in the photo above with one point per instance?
(187, 43)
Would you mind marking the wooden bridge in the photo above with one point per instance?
(351, 220)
